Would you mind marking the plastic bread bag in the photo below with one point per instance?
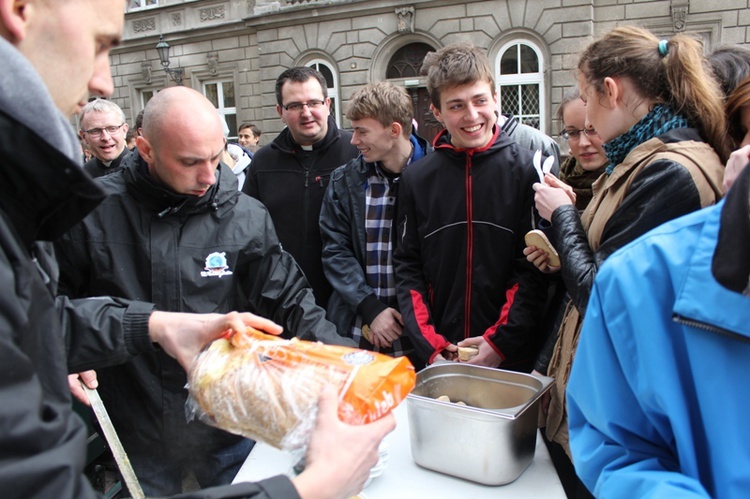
(266, 388)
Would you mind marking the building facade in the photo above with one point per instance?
(233, 50)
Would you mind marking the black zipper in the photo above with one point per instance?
(710, 328)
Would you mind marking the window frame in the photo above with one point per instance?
(538, 78)
(223, 110)
(129, 8)
(333, 92)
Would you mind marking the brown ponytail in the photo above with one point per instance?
(680, 79)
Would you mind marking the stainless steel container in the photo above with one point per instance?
(492, 439)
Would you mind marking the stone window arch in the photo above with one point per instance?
(521, 83)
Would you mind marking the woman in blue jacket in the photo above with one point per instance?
(656, 398)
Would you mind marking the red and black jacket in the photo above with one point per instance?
(460, 268)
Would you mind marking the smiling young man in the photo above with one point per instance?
(461, 276)
(184, 237)
(290, 175)
(103, 127)
(356, 220)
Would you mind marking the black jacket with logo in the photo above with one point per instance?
(291, 183)
(215, 253)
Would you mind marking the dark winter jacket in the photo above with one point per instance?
(216, 253)
(42, 338)
(342, 225)
(291, 183)
(43, 443)
(96, 168)
(460, 268)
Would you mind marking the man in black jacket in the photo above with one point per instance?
(183, 237)
(290, 174)
(48, 72)
(104, 128)
(356, 220)
(461, 276)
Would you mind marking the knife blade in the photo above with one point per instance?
(118, 451)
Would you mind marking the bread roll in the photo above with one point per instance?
(539, 239)
(467, 353)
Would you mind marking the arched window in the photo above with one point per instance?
(405, 64)
(407, 61)
(333, 86)
(520, 82)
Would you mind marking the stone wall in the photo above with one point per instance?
(252, 42)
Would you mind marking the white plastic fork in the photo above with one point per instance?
(537, 162)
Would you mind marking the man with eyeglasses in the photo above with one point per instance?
(290, 175)
(103, 127)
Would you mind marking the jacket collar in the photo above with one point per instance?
(166, 202)
(286, 143)
(499, 141)
(44, 192)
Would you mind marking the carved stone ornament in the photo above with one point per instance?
(679, 17)
(212, 13)
(212, 60)
(144, 24)
(177, 19)
(405, 19)
(146, 70)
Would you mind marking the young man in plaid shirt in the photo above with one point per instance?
(356, 220)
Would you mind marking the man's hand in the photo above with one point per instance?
(486, 356)
(88, 378)
(340, 456)
(184, 335)
(386, 328)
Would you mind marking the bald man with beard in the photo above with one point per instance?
(175, 230)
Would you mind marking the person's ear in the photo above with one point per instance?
(436, 113)
(14, 18)
(612, 91)
(145, 149)
(281, 114)
(396, 130)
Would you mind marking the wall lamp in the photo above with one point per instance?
(163, 49)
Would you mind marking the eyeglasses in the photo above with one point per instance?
(574, 134)
(97, 132)
(297, 106)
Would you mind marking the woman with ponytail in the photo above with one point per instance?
(660, 114)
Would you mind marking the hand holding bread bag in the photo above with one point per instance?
(267, 388)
